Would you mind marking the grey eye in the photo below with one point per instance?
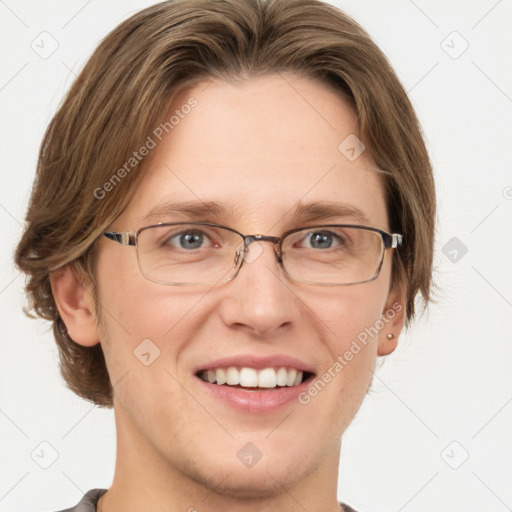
(188, 240)
(321, 239)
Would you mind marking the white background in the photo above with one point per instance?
(450, 380)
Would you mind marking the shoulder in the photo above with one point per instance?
(88, 502)
(346, 508)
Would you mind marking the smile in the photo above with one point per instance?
(247, 377)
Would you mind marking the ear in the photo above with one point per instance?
(393, 318)
(75, 304)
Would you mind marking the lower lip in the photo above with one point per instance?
(256, 401)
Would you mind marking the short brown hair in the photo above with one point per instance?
(134, 75)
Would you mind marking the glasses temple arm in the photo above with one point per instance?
(121, 238)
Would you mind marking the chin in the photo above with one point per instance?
(264, 480)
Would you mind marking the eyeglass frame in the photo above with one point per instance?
(389, 241)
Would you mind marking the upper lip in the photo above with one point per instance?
(257, 362)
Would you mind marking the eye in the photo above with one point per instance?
(321, 240)
(192, 239)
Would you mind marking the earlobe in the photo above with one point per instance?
(75, 304)
(393, 318)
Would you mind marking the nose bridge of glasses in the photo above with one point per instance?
(249, 239)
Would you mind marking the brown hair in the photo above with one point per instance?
(132, 78)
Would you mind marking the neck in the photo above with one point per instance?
(145, 479)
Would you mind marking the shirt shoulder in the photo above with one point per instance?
(88, 502)
(346, 508)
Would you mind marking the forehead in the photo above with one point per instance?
(260, 149)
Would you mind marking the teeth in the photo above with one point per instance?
(292, 373)
(220, 376)
(267, 378)
(282, 377)
(248, 378)
(252, 378)
(232, 376)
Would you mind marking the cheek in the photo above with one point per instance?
(145, 327)
(136, 308)
(347, 313)
(349, 317)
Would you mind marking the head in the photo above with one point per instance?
(245, 109)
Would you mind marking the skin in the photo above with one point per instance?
(259, 147)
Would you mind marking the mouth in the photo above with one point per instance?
(254, 383)
(270, 378)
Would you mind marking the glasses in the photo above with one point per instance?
(202, 253)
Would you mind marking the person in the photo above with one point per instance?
(232, 219)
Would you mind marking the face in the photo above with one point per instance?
(258, 149)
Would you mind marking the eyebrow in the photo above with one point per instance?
(326, 209)
(308, 212)
(193, 209)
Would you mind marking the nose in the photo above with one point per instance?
(259, 300)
